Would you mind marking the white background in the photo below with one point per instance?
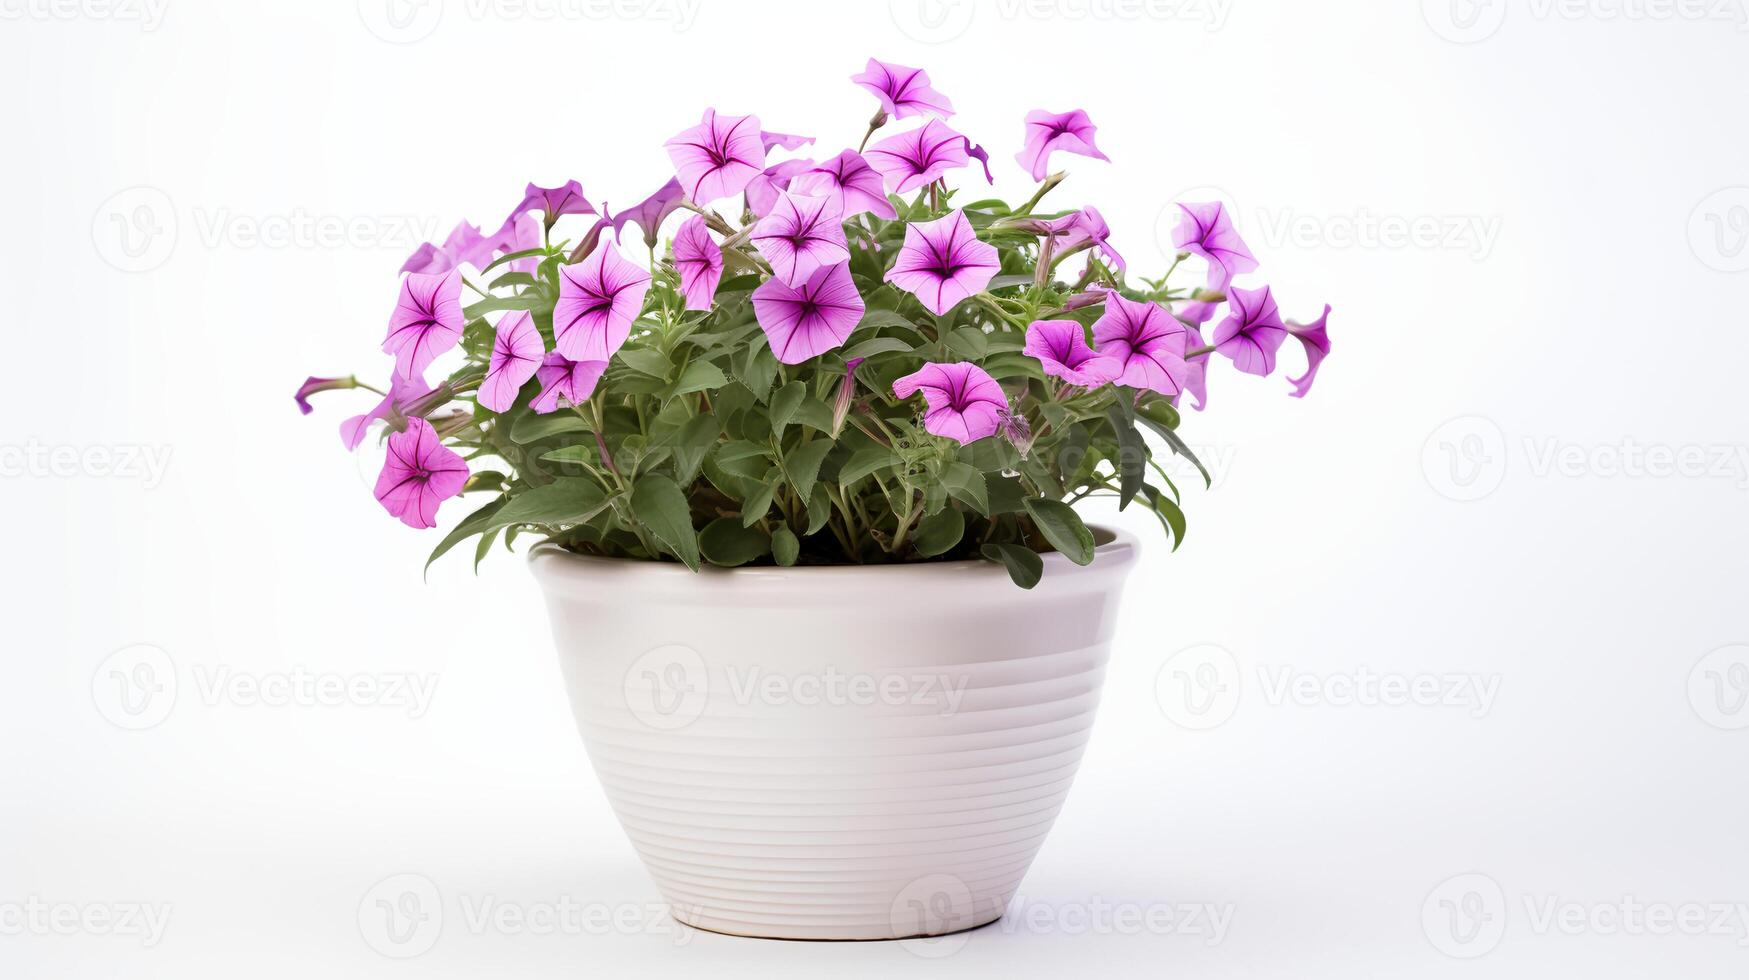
(1574, 543)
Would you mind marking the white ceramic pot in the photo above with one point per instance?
(856, 752)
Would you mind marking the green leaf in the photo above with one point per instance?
(757, 505)
(819, 508)
(1132, 456)
(876, 345)
(1177, 445)
(726, 543)
(1063, 528)
(784, 546)
(1024, 565)
(785, 403)
(873, 319)
(815, 414)
(1168, 511)
(939, 533)
(1160, 410)
(966, 484)
(471, 525)
(691, 443)
(803, 464)
(646, 361)
(866, 461)
(658, 502)
(698, 376)
(571, 500)
(534, 428)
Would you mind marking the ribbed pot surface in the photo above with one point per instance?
(834, 753)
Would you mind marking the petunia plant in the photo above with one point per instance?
(855, 359)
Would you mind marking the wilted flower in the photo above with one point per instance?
(517, 350)
(1148, 341)
(716, 158)
(801, 234)
(846, 394)
(783, 141)
(551, 202)
(1016, 429)
(1061, 348)
(1048, 132)
(962, 401)
(942, 262)
(1252, 331)
(1317, 343)
(699, 260)
(649, 213)
(313, 385)
(427, 321)
(916, 158)
(812, 319)
(419, 474)
(599, 298)
(903, 91)
(1206, 230)
(850, 182)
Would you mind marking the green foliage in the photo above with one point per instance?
(697, 446)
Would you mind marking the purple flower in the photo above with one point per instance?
(1061, 346)
(783, 141)
(464, 244)
(763, 190)
(942, 262)
(1048, 132)
(1316, 340)
(313, 385)
(420, 473)
(1206, 230)
(649, 213)
(1075, 229)
(402, 393)
(850, 182)
(1196, 312)
(700, 262)
(427, 321)
(1196, 373)
(516, 353)
(963, 402)
(716, 158)
(903, 91)
(846, 394)
(565, 382)
(915, 159)
(1252, 331)
(519, 234)
(1017, 430)
(599, 298)
(805, 322)
(551, 202)
(1148, 341)
(800, 235)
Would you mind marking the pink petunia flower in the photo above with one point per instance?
(783, 141)
(1207, 231)
(942, 262)
(1196, 374)
(700, 261)
(402, 393)
(851, 183)
(1316, 339)
(916, 158)
(1252, 331)
(427, 321)
(516, 353)
(810, 320)
(800, 235)
(1061, 347)
(464, 244)
(903, 91)
(312, 385)
(962, 401)
(599, 298)
(764, 190)
(649, 213)
(552, 202)
(1048, 132)
(716, 158)
(565, 382)
(1148, 341)
(419, 474)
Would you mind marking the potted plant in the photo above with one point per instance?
(788, 466)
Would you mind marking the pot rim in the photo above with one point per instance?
(1115, 550)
